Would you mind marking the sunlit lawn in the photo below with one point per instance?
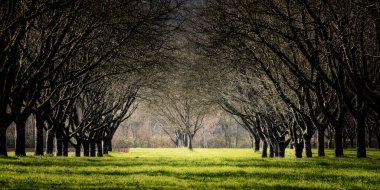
(199, 169)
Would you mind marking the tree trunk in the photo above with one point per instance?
(298, 149)
(257, 144)
(65, 142)
(92, 149)
(190, 142)
(271, 151)
(378, 141)
(338, 138)
(370, 138)
(50, 141)
(39, 136)
(352, 143)
(105, 146)
(110, 145)
(78, 148)
(321, 142)
(264, 153)
(307, 141)
(360, 142)
(281, 149)
(3, 142)
(65, 151)
(100, 148)
(20, 137)
(59, 138)
(86, 149)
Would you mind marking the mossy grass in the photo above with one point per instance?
(167, 168)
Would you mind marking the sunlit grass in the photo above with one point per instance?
(197, 169)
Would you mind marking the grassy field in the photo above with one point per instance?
(183, 169)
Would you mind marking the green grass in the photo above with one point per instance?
(199, 169)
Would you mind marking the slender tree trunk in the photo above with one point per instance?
(110, 149)
(298, 148)
(3, 141)
(39, 136)
(50, 141)
(257, 144)
(321, 141)
(105, 146)
(271, 151)
(20, 137)
(65, 142)
(78, 148)
(281, 149)
(338, 138)
(100, 148)
(275, 147)
(307, 141)
(59, 137)
(360, 143)
(86, 149)
(92, 149)
(352, 144)
(190, 142)
(370, 138)
(264, 153)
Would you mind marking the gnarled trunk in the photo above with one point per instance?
(281, 149)
(307, 141)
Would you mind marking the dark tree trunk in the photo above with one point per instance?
(59, 137)
(281, 149)
(360, 142)
(321, 142)
(78, 148)
(65, 142)
(105, 146)
(307, 141)
(352, 144)
(264, 153)
(298, 149)
(257, 144)
(65, 151)
(39, 136)
(370, 138)
(338, 135)
(275, 147)
(100, 149)
(3, 142)
(92, 149)
(378, 141)
(20, 138)
(190, 142)
(86, 149)
(110, 149)
(271, 151)
(50, 141)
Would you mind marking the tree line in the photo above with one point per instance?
(294, 68)
(76, 67)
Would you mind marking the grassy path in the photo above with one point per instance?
(200, 169)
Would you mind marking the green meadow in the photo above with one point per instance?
(198, 169)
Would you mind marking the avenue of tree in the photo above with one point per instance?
(284, 69)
